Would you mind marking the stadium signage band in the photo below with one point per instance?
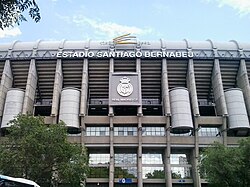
(124, 54)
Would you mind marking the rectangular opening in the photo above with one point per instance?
(42, 110)
(125, 110)
(207, 108)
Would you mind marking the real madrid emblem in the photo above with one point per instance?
(124, 88)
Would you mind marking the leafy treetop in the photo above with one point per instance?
(42, 153)
(11, 12)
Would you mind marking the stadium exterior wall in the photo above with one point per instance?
(124, 104)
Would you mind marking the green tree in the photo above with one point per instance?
(227, 166)
(157, 174)
(11, 12)
(98, 172)
(121, 172)
(176, 175)
(42, 153)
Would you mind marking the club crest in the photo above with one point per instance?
(124, 88)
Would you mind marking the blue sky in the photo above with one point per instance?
(172, 20)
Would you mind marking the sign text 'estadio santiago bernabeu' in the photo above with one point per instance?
(124, 54)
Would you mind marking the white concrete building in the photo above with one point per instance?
(140, 109)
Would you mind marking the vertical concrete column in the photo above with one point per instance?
(167, 163)
(196, 175)
(58, 83)
(84, 98)
(84, 89)
(192, 87)
(30, 91)
(111, 70)
(224, 130)
(195, 108)
(219, 97)
(139, 117)
(139, 153)
(112, 154)
(138, 70)
(111, 134)
(194, 163)
(165, 90)
(6, 83)
(243, 83)
(83, 131)
(218, 90)
(167, 113)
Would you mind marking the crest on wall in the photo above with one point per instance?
(124, 88)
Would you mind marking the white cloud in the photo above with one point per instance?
(10, 32)
(101, 30)
(109, 29)
(242, 6)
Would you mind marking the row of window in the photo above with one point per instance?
(147, 172)
(126, 165)
(146, 131)
(131, 158)
(125, 131)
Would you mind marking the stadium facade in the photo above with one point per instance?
(145, 111)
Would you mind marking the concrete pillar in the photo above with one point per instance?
(84, 98)
(111, 70)
(219, 97)
(58, 83)
(6, 83)
(224, 130)
(165, 90)
(138, 70)
(195, 171)
(195, 109)
(167, 164)
(30, 91)
(243, 83)
(111, 134)
(167, 113)
(139, 114)
(83, 131)
(112, 154)
(192, 88)
(139, 154)
(218, 90)
(84, 89)
(196, 175)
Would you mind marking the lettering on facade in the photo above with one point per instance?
(125, 100)
(125, 54)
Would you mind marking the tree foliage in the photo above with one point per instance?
(42, 153)
(98, 172)
(227, 166)
(176, 175)
(121, 172)
(11, 12)
(157, 174)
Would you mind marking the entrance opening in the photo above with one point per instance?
(125, 110)
(42, 110)
(206, 107)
